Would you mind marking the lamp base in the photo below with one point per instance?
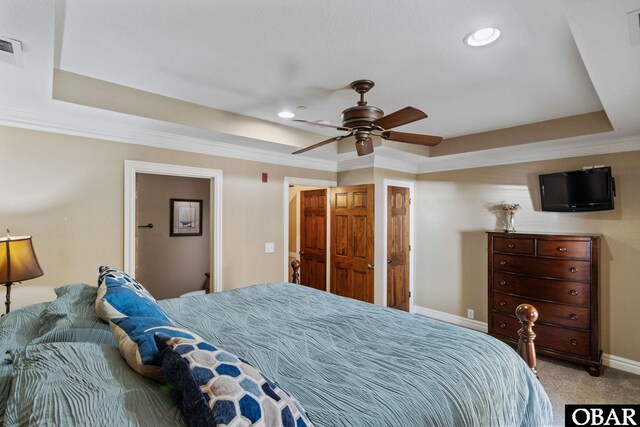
(7, 300)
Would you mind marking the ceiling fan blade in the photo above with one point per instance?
(327, 125)
(320, 144)
(364, 147)
(411, 138)
(401, 117)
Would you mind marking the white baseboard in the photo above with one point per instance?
(450, 318)
(621, 363)
(627, 365)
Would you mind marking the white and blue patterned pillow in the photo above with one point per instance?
(134, 316)
(120, 295)
(214, 387)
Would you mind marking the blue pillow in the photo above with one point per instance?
(120, 295)
(134, 316)
(137, 345)
(214, 387)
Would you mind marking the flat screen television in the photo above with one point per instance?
(578, 191)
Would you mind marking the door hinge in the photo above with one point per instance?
(410, 199)
(409, 247)
(409, 294)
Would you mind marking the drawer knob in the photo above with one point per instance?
(574, 342)
(573, 292)
(503, 325)
(503, 262)
(511, 245)
(573, 269)
(503, 283)
(562, 249)
(502, 303)
(572, 316)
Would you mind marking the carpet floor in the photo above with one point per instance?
(567, 383)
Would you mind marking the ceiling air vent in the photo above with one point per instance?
(10, 51)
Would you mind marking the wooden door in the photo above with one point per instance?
(398, 248)
(352, 240)
(313, 239)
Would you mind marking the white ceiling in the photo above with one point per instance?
(556, 58)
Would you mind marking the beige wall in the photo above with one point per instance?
(169, 266)
(68, 193)
(454, 210)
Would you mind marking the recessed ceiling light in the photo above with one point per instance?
(286, 114)
(482, 37)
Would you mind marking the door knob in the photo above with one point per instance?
(369, 267)
(389, 261)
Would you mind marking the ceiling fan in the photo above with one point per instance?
(362, 121)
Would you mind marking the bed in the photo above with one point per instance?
(348, 363)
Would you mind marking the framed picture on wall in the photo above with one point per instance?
(186, 217)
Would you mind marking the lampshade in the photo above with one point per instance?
(18, 260)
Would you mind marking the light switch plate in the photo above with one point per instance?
(269, 247)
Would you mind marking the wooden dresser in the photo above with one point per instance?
(558, 274)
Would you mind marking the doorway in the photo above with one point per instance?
(398, 244)
(214, 176)
(355, 214)
(312, 232)
(292, 218)
(168, 263)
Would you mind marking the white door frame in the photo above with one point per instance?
(131, 168)
(411, 186)
(321, 183)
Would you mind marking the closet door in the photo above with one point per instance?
(352, 241)
(313, 239)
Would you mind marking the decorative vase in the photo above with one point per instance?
(511, 222)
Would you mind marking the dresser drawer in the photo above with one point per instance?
(551, 337)
(546, 289)
(514, 245)
(556, 314)
(572, 270)
(564, 249)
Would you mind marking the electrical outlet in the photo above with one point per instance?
(470, 313)
(269, 248)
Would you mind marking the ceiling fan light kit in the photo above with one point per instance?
(363, 121)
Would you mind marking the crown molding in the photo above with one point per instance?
(537, 151)
(107, 131)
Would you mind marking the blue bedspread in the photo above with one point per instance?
(357, 364)
(349, 363)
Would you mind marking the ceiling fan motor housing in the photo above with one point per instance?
(360, 116)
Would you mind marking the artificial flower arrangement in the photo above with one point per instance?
(510, 209)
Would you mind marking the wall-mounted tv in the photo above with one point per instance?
(578, 191)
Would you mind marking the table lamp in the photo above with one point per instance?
(18, 262)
